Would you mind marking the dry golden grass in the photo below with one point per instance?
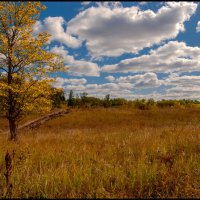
(107, 153)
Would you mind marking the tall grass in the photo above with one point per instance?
(107, 153)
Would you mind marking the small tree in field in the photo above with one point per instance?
(58, 97)
(107, 101)
(71, 99)
(25, 66)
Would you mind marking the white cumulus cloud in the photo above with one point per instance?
(55, 26)
(109, 4)
(183, 81)
(172, 57)
(110, 78)
(112, 31)
(61, 82)
(130, 87)
(77, 67)
(84, 3)
(146, 80)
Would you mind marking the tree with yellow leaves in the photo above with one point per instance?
(25, 65)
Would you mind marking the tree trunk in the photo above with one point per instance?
(13, 129)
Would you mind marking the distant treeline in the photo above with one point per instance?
(84, 101)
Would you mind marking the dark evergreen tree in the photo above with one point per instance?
(71, 99)
(107, 101)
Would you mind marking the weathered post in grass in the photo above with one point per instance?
(8, 163)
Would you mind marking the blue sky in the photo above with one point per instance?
(126, 49)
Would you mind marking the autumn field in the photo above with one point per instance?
(106, 153)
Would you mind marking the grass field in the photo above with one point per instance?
(107, 153)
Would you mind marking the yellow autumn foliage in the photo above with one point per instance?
(25, 65)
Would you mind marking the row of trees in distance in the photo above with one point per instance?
(84, 101)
